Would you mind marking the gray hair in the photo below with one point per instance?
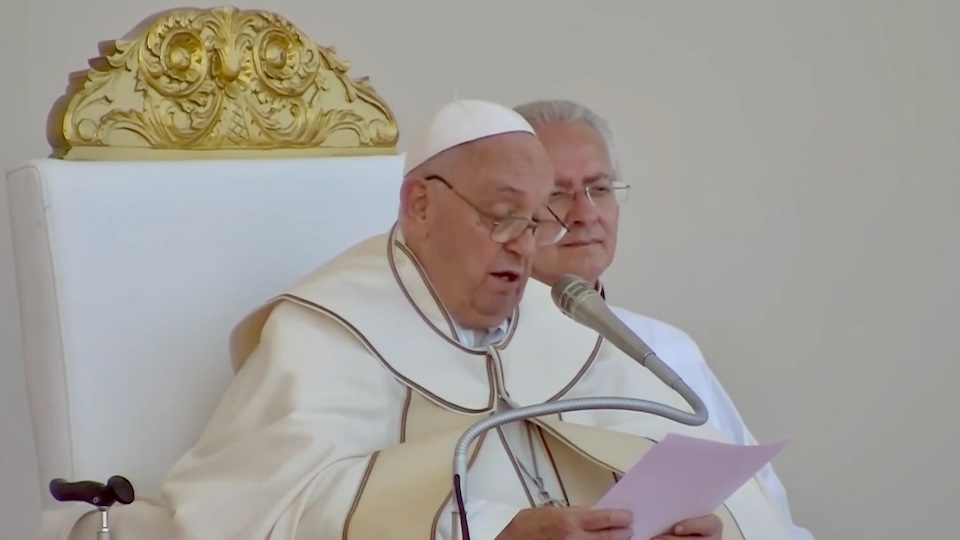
(569, 112)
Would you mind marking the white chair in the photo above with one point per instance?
(132, 268)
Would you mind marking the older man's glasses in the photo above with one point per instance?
(602, 195)
(506, 229)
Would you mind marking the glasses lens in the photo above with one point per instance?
(560, 204)
(508, 229)
(545, 234)
(549, 232)
(622, 193)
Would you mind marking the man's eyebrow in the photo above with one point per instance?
(509, 190)
(504, 194)
(503, 201)
(602, 177)
(592, 179)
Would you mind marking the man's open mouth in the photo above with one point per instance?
(508, 277)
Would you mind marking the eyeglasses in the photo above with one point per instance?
(601, 196)
(509, 228)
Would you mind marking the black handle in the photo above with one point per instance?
(117, 489)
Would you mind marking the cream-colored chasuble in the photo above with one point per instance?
(354, 390)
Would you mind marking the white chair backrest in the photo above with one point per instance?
(132, 274)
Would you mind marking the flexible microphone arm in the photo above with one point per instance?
(459, 514)
(579, 301)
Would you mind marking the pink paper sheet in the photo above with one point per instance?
(682, 478)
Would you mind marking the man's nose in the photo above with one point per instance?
(581, 209)
(524, 245)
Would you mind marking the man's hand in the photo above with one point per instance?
(557, 523)
(708, 526)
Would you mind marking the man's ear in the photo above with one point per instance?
(413, 201)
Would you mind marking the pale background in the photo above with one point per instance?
(796, 171)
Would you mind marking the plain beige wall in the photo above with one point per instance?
(795, 169)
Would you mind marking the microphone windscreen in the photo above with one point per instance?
(569, 291)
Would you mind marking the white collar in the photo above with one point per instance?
(475, 339)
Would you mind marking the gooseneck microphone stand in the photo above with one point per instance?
(117, 490)
(580, 301)
(460, 529)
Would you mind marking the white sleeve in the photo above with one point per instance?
(683, 355)
(286, 449)
(728, 420)
(485, 520)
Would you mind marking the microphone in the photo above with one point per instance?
(581, 302)
(578, 300)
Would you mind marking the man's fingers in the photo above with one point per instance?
(599, 520)
(612, 534)
(703, 525)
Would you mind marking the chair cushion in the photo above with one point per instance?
(132, 274)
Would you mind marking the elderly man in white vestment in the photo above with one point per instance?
(354, 385)
(589, 190)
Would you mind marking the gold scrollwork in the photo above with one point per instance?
(220, 82)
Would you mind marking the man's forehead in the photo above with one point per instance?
(506, 190)
(496, 186)
(511, 193)
(506, 165)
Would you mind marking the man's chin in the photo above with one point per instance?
(587, 268)
(504, 296)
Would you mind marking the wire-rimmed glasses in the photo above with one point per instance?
(509, 228)
(601, 195)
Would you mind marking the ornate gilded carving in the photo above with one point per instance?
(220, 82)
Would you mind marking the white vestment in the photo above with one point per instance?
(352, 389)
(679, 351)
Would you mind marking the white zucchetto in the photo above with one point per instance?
(460, 122)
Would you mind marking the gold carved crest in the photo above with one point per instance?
(218, 83)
